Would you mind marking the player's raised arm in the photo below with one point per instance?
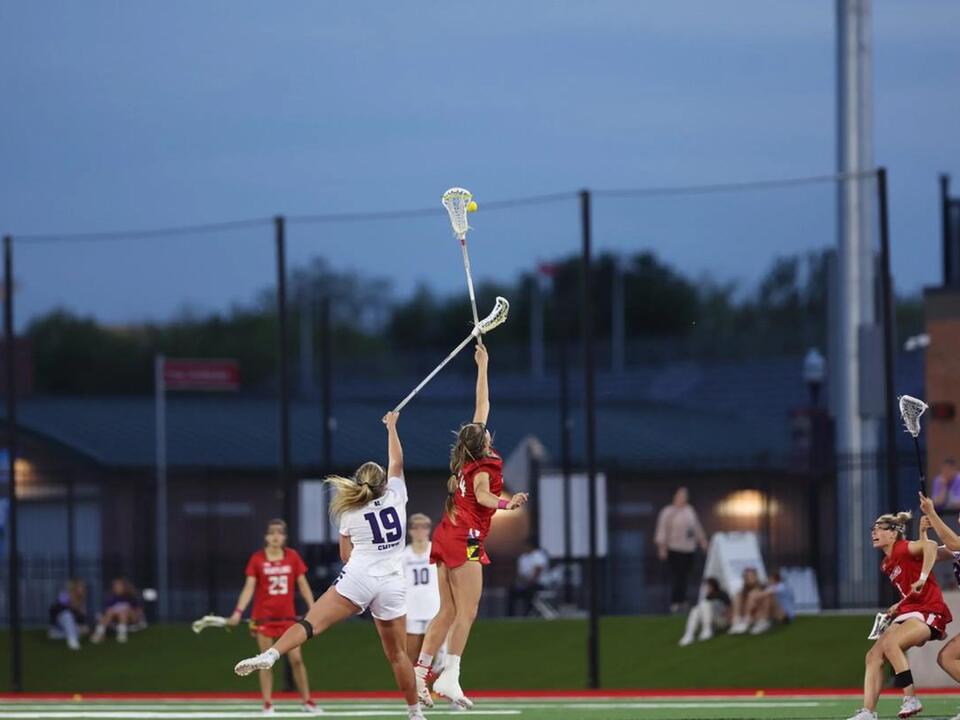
(394, 448)
(482, 409)
(950, 539)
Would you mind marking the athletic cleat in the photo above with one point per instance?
(706, 634)
(310, 708)
(956, 717)
(448, 686)
(760, 627)
(864, 714)
(423, 692)
(686, 640)
(263, 661)
(739, 628)
(268, 709)
(910, 706)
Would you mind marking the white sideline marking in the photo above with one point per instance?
(140, 714)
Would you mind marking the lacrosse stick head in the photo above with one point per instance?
(880, 624)
(911, 409)
(455, 200)
(497, 316)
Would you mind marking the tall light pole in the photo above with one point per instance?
(857, 439)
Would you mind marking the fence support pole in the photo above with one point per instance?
(586, 320)
(16, 671)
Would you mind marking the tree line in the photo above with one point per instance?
(667, 315)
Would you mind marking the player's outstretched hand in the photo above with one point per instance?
(390, 419)
(481, 356)
(924, 526)
(518, 500)
(926, 505)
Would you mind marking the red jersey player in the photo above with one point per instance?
(919, 616)
(271, 575)
(475, 494)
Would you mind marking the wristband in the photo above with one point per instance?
(923, 577)
(238, 611)
(502, 504)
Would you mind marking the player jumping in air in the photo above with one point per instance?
(372, 509)
(921, 614)
(475, 489)
(271, 575)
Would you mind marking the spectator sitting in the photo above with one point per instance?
(122, 610)
(773, 604)
(68, 615)
(712, 613)
(744, 604)
(946, 486)
(531, 566)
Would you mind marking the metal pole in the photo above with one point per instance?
(565, 426)
(948, 269)
(16, 671)
(326, 383)
(617, 319)
(586, 320)
(283, 382)
(163, 563)
(71, 526)
(887, 300)
(536, 328)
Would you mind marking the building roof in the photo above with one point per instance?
(677, 415)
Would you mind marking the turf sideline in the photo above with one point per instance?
(611, 694)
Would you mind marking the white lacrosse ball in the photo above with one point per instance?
(149, 594)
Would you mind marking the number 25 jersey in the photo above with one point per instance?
(274, 596)
(378, 531)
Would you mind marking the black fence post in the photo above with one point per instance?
(887, 300)
(326, 383)
(586, 320)
(283, 381)
(16, 670)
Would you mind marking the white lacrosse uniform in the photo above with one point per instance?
(423, 591)
(373, 577)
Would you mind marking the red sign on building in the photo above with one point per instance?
(215, 375)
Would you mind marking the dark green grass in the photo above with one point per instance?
(637, 652)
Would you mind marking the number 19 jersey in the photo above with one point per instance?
(378, 531)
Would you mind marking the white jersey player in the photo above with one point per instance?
(372, 507)
(423, 591)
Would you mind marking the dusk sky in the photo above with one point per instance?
(128, 115)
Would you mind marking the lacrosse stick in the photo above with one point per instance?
(910, 411)
(457, 202)
(208, 621)
(497, 316)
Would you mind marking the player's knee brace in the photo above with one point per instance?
(307, 627)
(903, 679)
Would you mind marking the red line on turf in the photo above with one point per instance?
(509, 694)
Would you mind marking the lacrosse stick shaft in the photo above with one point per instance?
(473, 297)
(438, 368)
(923, 478)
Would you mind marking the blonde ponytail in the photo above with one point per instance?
(367, 484)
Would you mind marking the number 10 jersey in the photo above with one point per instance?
(378, 532)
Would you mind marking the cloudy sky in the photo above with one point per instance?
(126, 115)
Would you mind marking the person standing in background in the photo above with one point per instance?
(677, 536)
(946, 486)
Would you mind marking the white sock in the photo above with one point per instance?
(413, 709)
(452, 664)
(425, 660)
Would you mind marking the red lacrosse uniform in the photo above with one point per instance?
(461, 539)
(273, 602)
(928, 606)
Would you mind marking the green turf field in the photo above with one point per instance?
(798, 708)
(637, 652)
